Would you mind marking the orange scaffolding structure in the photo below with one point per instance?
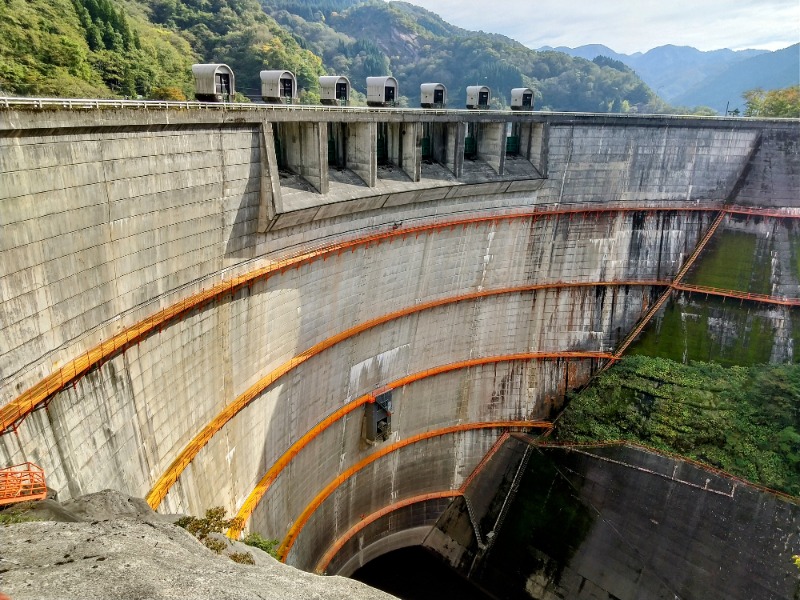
(22, 482)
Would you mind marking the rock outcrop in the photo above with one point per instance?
(109, 546)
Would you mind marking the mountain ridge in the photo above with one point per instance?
(687, 76)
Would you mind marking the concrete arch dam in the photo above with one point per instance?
(212, 306)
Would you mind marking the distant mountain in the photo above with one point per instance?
(358, 38)
(673, 70)
(772, 70)
(590, 51)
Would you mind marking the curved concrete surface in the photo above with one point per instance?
(170, 328)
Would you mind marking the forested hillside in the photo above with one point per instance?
(145, 48)
(86, 48)
(107, 48)
(359, 38)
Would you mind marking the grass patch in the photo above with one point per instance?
(259, 541)
(12, 517)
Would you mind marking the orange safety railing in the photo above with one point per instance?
(309, 510)
(22, 482)
(339, 543)
(162, 486)
(632, 335)
(333, 550)
(15, 411)
(736, 294)
(754, 211)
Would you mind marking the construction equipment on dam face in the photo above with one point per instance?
(379, 418)
(22, 482)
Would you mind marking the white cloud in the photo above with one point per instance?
(631, 26)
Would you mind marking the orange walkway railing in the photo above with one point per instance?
(779, 213)
(663, 298)
(323, 563)
(735, 294)
(171, 474)
(22, 482)
(301, 521)
(254, 497)
(15, 411)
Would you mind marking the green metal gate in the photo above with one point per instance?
(426, 148)
(470, 146)
(383, 144)
(512, 144)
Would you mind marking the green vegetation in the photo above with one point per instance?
(213, 522)
(744, 420)
(87, 48)
(12, 516)
(732, 262)
(361, 38)
(258, 541)
(240, 34)
(142, 48)
(243, 558)
(773, 103)
(692, 333)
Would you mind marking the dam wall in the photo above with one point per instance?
(172, 329)
(583, 522)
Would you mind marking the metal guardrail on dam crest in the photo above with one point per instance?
(83, 104)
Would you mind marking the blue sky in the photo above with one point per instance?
(629, 26)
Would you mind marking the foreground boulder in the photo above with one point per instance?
(109, 546)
